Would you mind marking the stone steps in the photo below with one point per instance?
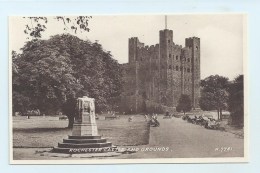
(85, 145)
(81, 141)
(84, 137)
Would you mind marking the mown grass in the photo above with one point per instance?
(47, 132)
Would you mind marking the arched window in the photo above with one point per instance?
(177, 57)
(170, 55)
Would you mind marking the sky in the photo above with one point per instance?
(222, 36)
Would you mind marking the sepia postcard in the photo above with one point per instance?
(113, 89)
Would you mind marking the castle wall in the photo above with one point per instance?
(194, 44)
(161, 73)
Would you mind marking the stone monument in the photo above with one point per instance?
(85, 123)
(85, 138)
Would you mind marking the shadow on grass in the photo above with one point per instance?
(40, 130)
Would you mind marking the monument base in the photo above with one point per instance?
(84, 144)
(87, 129)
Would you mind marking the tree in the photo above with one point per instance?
(69, 108)
(45, 76)
(236, 100)
(214, 95)
(52, 73)
(36, 25)
(184, 104)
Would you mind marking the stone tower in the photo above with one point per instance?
(193, 43)
(165, 45)
(157, 75)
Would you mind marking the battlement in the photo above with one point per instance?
(193, 37)
(192, 43)
(165, 31)
(139, 52)
(176, 46)
(162, 72)
(135, 41)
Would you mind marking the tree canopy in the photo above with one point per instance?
(214, 93)
(184, 104)
(236, 100)
(50, 72)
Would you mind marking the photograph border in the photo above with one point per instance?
(244, 159)
(21, 7)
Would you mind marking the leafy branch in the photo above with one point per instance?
(39, 24)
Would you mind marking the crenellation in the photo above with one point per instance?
(160, 73)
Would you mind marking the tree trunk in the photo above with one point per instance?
(184, 112)
(218, 113)
(71, 121)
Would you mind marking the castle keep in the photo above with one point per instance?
(157, 75)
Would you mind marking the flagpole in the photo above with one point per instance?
(165, 21)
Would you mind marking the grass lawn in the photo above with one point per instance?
(48, 131)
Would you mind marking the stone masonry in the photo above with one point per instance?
(159, 74)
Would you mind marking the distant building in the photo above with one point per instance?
(157, 75)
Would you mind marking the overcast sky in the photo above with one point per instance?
(221, 36)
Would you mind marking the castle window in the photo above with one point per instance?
(177, 57)
(188, 59)
(177, 68)
(170, 55)
(188, 69)
(169, 41)
(197, 48)
(170, 67)
(181, 68)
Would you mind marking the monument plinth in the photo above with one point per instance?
(85, 123)
(85, 138)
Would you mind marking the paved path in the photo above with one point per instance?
(188, 140)
(180, 138)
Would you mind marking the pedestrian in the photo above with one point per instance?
(146, 117)
(130, 119)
